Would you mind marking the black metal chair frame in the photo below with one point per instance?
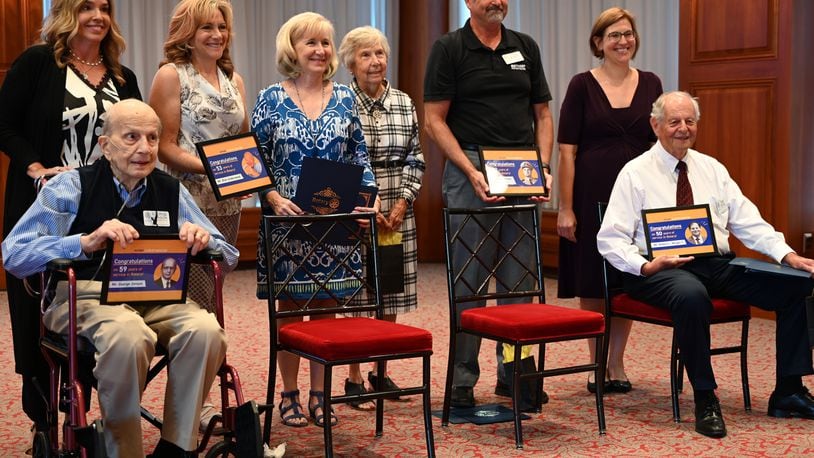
(72, 396)
(480, 293)
(319, 230)
(676, 364)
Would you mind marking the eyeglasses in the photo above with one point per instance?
(617, 36)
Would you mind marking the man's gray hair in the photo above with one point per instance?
(658, 105)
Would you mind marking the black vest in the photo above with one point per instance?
(100, 202)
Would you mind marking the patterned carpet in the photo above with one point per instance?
(639, 423)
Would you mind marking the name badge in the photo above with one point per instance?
(512, 57)
(156, 218)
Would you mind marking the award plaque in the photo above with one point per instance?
(152, 269)
(679, 231)
(234, 166)
(513, 171)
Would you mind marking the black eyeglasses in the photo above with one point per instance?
(617, 36)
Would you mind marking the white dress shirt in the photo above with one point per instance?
(650, 180)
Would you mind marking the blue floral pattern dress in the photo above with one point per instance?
(286, 135)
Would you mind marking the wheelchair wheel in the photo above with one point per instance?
(41, 448)
(224, 449)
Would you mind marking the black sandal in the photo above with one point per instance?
(319, 420)
(352, 388)
(387, 385)
(294, 404)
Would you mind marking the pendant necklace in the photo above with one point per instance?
(92, 65)
(302, 105)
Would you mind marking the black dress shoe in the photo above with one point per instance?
(166, 449)
(798, 405)
(612, 386)
(501, 389)
(618, 386)
(463, 396)
(708, 418)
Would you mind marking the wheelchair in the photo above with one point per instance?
(71, 359)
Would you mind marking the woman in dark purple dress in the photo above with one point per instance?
(604, 122)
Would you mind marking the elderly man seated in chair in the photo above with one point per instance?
(672, 174)
(74, 216)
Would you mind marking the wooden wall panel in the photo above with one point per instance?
(733, 29)
(20, 21)
(747, 148)
(421, 22)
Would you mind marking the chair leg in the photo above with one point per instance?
(427, 407)
(599, 374)
(747, 397)
(674, 374)
(541, 354)
(518, 426)
(326, 409)
(381, 370)
(605, 349)
(448, 383)
(540, 367)
(270, 394)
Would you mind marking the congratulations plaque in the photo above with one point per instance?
(152, 269)
(234, 166)
(513, 171)
(679, 231)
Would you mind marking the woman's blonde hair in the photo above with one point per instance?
(361, 37)
(61, 26)
(294, 29)
(606, 19)
(186, 18)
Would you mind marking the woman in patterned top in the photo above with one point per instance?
(199, 96)
(51, 107)
(306, 115)
(391, 133)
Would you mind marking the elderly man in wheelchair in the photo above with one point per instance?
(121, 197)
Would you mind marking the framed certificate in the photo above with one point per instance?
(152, 269)
(234, 165)
(681, 231)
(513, 171)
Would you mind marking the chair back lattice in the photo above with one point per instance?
(485, 244)
(324, 260)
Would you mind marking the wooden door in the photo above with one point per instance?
(20, 22)
(746, 61)
(750, 62)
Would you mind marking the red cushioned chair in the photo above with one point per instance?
(342, 340)
(619, 304)
(527, 323)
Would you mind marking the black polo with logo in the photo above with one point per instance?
(492, 92)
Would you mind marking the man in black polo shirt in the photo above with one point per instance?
(484, 86)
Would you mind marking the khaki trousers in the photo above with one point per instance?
(125, 338)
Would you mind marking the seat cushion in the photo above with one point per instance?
(347, 338)
(722, 309)
(532, 321)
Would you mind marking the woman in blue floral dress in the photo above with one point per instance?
(307, 115)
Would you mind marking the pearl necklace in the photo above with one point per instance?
(89, 64)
